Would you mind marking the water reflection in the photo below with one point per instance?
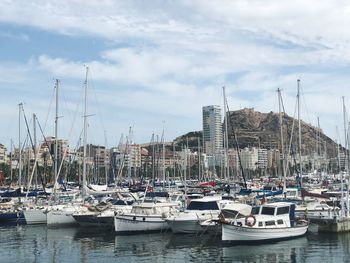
(42, 244)
(283, 251)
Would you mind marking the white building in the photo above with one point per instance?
(262, 158)
(212, 129)
(249, 158)
(3, 150)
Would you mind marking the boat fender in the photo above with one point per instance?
(134, 218)
(249, 223)
(144, 219)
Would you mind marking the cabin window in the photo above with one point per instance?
(194, 205)
(269, 223)
(280, 222)
(266, 210)
(229, 214)
(255, 210)
(260, 224)
(282, 210)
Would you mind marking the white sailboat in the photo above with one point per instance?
(63, 214)
(144, 217)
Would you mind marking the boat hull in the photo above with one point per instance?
(35, 216)
(7, 217)
(251, 234)
(61, 217)
(94, 221)
(184, 226)
(137, 223)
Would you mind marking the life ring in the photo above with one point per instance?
(248, 223)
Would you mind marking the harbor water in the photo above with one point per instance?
(23, 243)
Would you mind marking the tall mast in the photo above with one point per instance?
(226, 163)
(342, 206)
(35, 150)
(19, 146)
(129, 150)
(174, 165)
(11, 149)
(299, 130)
(346, 160)
(282, 141)
(163, 156)
(56, 132)
(153, 159)
(85, 133)
(199, 160)
(106, 172)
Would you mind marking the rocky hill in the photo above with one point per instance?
(256, 129)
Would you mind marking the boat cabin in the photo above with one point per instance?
(273, 215)
(205, 203)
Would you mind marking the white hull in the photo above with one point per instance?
(184, 226)
(63, 216)
(243, 233)
(35, 216)
(190, 221)
(134, 223)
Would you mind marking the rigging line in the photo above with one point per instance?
(48, 112)
(66, 149)
(303, 100)
(63, 94)
(97, 103)
(236, 143)
(35, 165)
(290, 136)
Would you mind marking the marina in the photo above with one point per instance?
(174, 131)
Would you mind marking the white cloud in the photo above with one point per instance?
(179, 54)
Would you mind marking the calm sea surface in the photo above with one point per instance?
(41, 244)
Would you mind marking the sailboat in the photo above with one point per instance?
(62, 214)
(338, 220)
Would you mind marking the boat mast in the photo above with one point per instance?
(282, 141)
(19, 146)
(299, 131)
(106, 172)
(85, 133)
(199, 159)
(11, 153)
(56, 132)
(35, 150)
(342, 206)
(174, 165)
(153, 160)
(226, 162)
(346, 161)
(163, 157)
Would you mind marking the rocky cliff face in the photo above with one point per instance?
(256, 129)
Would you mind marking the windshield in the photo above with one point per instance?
(255, 210)
(194, 205)
(268, 210)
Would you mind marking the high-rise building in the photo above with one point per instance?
(2, 153)
(212, 129)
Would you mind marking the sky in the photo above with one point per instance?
(154, 64)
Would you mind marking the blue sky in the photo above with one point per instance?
(154, 64)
